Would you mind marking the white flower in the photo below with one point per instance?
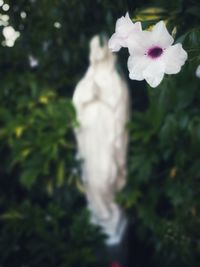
(153, 55)
(124, 28)
(198, 72)
(10, 35)
(33, 61)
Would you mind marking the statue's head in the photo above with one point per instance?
(99, 50)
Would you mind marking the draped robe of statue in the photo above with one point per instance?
(102, 105)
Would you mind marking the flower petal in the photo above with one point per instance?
(123, 30)
(124, 25)
(136, 66)
(115, 43)
(198, 72)
(138, 26)
(154, 73)
(174, 58)
(161, 36)
(139, 42)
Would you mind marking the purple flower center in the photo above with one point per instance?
(155, 52)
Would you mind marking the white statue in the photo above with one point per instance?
(102, 104)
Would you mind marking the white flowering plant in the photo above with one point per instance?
(153, 52)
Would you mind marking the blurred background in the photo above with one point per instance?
(43, 217)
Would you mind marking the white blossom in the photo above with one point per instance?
(10, 35)
(33, 61)
(154, 55)
(198, 72)
(124, 28)
(5, 7)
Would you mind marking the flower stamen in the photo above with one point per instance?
(155, 52)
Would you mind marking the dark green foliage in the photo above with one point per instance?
(164, 167)
(43, 221)
(49, 235)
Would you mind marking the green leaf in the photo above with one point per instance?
(28, 178)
